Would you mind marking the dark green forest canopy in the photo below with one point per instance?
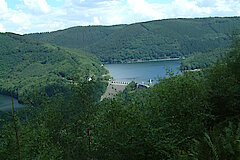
(200, 60)
(27, 66)
(169, 38)
(194, 115)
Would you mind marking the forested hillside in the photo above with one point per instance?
(194, 115)
(77, 37)
(200, 60)
(169, 38)
(28, 66)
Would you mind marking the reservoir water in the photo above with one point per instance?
(6, 103)
(142, 72)
(138, 72)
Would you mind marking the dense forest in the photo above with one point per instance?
(170, 38)
(194, 115)
(28, 66)
(200, 60)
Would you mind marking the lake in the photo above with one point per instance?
(142, 72)
(138, 72)
(6, 103)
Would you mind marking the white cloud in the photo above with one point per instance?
(39, 16)
(221, 7)
(51, 26)
(13, 20)
(227, 5)
(186, 8)
(146, 10)
(96, 21)
(37, 5)
(3, 6)
(19, 18)
(2, 29)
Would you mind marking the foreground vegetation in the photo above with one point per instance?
(190, 116)
(169, 38)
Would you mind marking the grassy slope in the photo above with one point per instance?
(148, 40)
(29, 66)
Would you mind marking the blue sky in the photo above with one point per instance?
(26, 16)
(59, 3)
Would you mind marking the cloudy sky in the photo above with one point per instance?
(26, 16)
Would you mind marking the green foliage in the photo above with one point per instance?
(233, 59)
(203, 60)
(34, 139)
(221, 143)
(28, 66)
(224, 91)
(154, 123)
(56, 130)
(176, 115)
(190, 116)
(169, 38)
(76, 37)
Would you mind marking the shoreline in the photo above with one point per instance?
(143, 61)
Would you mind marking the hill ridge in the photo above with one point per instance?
(168, 38)
(28, 65)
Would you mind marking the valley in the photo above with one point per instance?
(85, 91)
